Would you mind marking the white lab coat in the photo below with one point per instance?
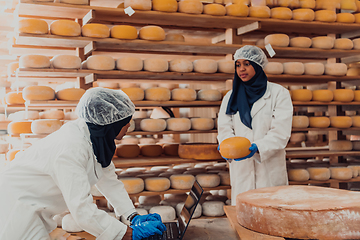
(271, 129)
(56, 174)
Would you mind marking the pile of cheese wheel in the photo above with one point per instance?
(325, 95)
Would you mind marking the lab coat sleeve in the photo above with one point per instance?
(115, 192)
(280, 130)
(71, 177)
(225, 122)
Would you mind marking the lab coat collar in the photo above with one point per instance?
(259, 104)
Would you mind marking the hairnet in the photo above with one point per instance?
(103, 106)
(252, 53)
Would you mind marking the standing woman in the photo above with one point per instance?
(260, 111)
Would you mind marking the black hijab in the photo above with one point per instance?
(102, 138)
(245, 94)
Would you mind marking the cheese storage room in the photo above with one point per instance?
(189, 119)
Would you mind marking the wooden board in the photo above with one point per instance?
(244, 233)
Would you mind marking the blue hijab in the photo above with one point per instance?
(245, 94)
(102, 138)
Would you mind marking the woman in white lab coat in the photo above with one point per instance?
(262, 112)
(56, 173)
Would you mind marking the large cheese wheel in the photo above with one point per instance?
(66, 61)
(153, 33)
(52, 114)
(294, 68)
(298, 175)
(182, 181)
(203, 124)
(70, 94)
(214, 9)
(165, 5)
(34, 61)
(303, 14)
(277, 40)
(95, 30)
(33, 26)
(45, 126)
(336, 69)
(356, 43)
(156, 65)
(357, 95)
(191, 6)
(18, 127)
(343, 95)
(307, 4)
(341, 121)
(314, 68)
(345, 17)
(199, 151)
(153, 125)
(181, 65)
(124, 32)
(133, 185)
(226, 66)
(237, 10)
(100, 62)
(322, 42)
(281, 13)
(183, 94)
(235, 147)
(302, 42)
(205, 66)
(208, 180)
(174, 37)
(319, 173)
(134, 93)
(322, 95)
(300, 122)
(138, 4)
(157, 94)
(38, 93)
(355, 121)
(325, 16)
(259, 11)
(340, 145)
(302, 95)
(14, 98)
(171, 149)
(157, 184)
(127, 150)
(209, 95)
(341, 173)
(319, 122)
(65, 27)
(129, 63)
(274, 68)
(343, 43)
(178, 124)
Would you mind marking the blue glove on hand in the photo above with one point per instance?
(147, 229)
(253, 148)
(144, 218)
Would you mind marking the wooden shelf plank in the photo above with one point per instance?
(324, 153)
(171, 132)
(356, 179)
(325, 129)
(317, 103)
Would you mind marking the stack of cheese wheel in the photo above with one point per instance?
(294, 68)
(14, 98)
(199, 151)
(203, 124)
(336, 69)
(303, 95)
(341, 121)
(127, 150)
(18, 127)
(298, 174)
(214, 9)
(281, 13)
(340, 145)
(95, 30)
(153, 33)
(34, 61)
(157, 94)
(237, 10)
(259, 11)
(319, 122)
(134, 93)
(123, 32)
(138, 4)
(323, 42)
(45, 126)
(209, 95)
(303, 14)
(278, 40)
(182, 181)
(153, 125)
(322, 95)
(314, 68)
(100, 62)
(66, 61)
(133, 185)
(129, 63)
(181, 65)
(343, 95)
(300, 122)
(70, 94)
(341, 173)
(235, 147)
(40, 93)
(183, 94)
(33, 26)
(178, 124)
(164, 5)
(191, 6)
(65, 27)
(274, 68)
(325, 16)
(156, 65)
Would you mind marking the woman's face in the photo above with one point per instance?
(123, 132)
(244, 70)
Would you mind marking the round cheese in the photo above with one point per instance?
(40, 93)
(325, 15)
(323, 42)
(336, 69)
(237, 10)
(301, 42)
(157, 94)
(226, 66)
(356, 43)
(129, 63)
(357, 17)
(259, 11)
(274, 68)
(178, 124)
(202, 124)
(164, 5)
(153, 125)
(343, 95)
(213, 208)
(209, 95)
(340, 145)
(348, 5)
(208, 180)
(100, 62)
(95, 30)
(340, 121)
(19, 127)
(134, 93)
(214, 9)
(167, 213)
(303, 14)
(205, 65)
(138, 4)
(353, 71)
(224, 178)
(66, 61)
(153, 33)
(191, 6)
(45, 126)
(65, 27)
(199, 151)
(133, 185)
(298, 175)
(322, 95)
(174, 37)
(183, 94)
(357, 95)
(14, 98)
(52, 114)
(182, 181)
(171, 149)
(300, 122)
(34, 61)
(181, 65)
(307, 4)
(345, 17)
(294, 68)
(124, 32)
(355, 121)
(156, 65)
(341, 173)
(127, 150)
(157, 184)
(319, 122)
(302, 95)
(235, 147)
(281, 13)
(70, 94)
(33, 26)
(343, 43)
(277, 40)
(355, 170)
(319, 173)
(314, 68)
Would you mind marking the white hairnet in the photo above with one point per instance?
(251, 53)
(103, 106)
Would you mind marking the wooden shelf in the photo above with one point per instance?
(317, 103)
(306, 153)
(357, 179)
(171, 132)
(325, 129)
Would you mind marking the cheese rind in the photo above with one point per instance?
(345, 17)
(183, 94)
(314, 68)
(157, 184)
(298, 175)
(343, 95)
(322, 95)
(302, 95)
(341, 121)
(237, 10)
(40, 93)
(33, 26)
(181, 65)
(95, 30)
(259, 11)
(129, 63)
(343, 43)
(100, 62)
(156, 65)
(302, 42)
(65, 27)
(199, 151)
(323, 42)
(133, 185)
(214, 9)
(303, 14)
(134, 93)
(178, 124)
(209, 95)
(226, 66)
(294, 68)
(45, 126)
(138, 4)
(277, 39)
(325, 16)
(336, 69)
(205, 66)
(274, 68)
(319, 122)
(34, 61)
(235, 147)
(157, 94)
(124, 32)
(66, 61)
(152, 33)
(182, 181)
(153, 125)
(164, 5)
(341, 173)
(191, 6)
(281, 13)
(202, 124)
(300, 122)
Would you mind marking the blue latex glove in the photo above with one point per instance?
(253, 148)
(144, 218)
(147, 229)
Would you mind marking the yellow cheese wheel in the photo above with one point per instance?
(214, 9)
(34, 61)
(171, 149)
(343, 95)
(156, 65)
(153, 33)
(319, 122)
(274, 68)
(237, 10)
(323, 42)
(38, 93)
(157, 94)
(191, 6)
(208, 180)
(151, 150)
(298, 175)
(357, 95)
(302, 42)
(209, 95)
(235, 147)
(202, 124)
(307, 4)
(134, 93)
(65, 28)
(138, 4)
(165, 5)
(182, 181)
(355, 121)
(277, 40)
(33, 25)
(205, 66)
(66, 61)
(322, 95)
(10, 155)
(181, 65)
(183, 94)
(174, 37)
(302, 95)
(14, 98)
(178, 124)
(45, 126)
(341, 121)
(336, 69)
(325, 16)
(300, 122)
(294, 68)
(153, 125)
(133, 185)
(12, 67)
(95, 30)
(70, 94)
(259, 11)
(18, 127)
(348, 5)
(319, 173)
(353, 71)
(340, 145)
(281, 13)
(226, 66)
(100, 62)
(127, 150)
(124, 32)
(357, 17)
(343, 43)
(157, 184)
(129, 63)
(199, 151)
(345, 17)
(52, 114)
(314, 68)
(341, 173)
(303, 14)
(77, 2)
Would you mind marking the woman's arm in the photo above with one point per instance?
(225, 122)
